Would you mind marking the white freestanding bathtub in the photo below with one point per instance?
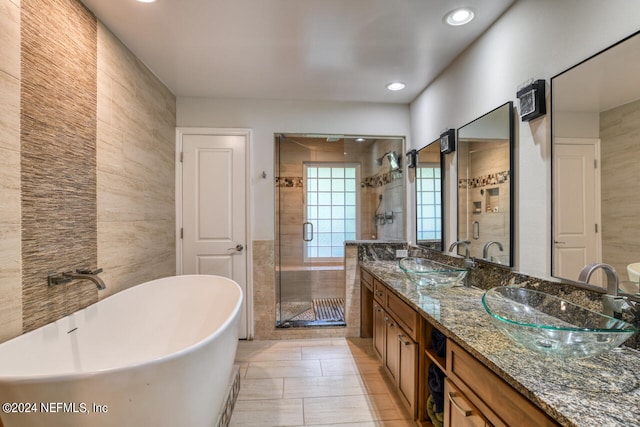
(157, 354)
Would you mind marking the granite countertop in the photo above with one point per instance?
(598, 391)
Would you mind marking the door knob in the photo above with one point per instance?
(238, 248)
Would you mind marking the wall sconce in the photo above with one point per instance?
(448, 141)
(532, 100)
(412, 158)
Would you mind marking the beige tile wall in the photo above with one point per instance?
(264, 297)
(620, 150)
(135, 169)
(10, 212)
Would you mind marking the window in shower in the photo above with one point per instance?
(429, 202)
(331, 209)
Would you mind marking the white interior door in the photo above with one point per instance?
(214, 208)
(576, 206)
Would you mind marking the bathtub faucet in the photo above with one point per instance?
(85, 273)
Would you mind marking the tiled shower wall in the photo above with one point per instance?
(114, 188)
(620, 151)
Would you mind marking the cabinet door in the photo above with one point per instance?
(458, 411)
(408, 370)
(392, 348)
(379, 330)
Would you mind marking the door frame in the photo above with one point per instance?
(180, 132)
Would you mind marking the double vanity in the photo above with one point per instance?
(490, 380)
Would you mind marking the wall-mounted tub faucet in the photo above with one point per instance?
(80, 274)
(485, 249)
(88, 275)
(468, 262)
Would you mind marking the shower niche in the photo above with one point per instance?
(330, 189)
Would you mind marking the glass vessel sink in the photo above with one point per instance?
(431, 274)
(552, 326)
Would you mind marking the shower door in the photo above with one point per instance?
(329, 189)
(293, 280)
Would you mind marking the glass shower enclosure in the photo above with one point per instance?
(329, 189)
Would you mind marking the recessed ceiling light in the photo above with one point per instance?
(396, 86)
(146, 1)
(360, 140)
(460, 16)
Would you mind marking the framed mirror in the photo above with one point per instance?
(485, 190)
(595, 157)
(429, 206)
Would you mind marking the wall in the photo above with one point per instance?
(11, 208)
(533, 39)
(57, 156)
(135, 169)
(620, 154)
(108, 126)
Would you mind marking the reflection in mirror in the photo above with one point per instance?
(596, 202)
(485, 167)
(429, 197)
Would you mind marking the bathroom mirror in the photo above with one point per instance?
(595, 157)
(429, 197)
(485, 190)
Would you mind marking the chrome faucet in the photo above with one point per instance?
(485, 249)
(87, 274)
(612, 276)
(611, 302)
(468, 262)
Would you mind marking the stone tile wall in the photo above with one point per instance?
(135, 169)
(58, 155)
(108, 126)
(10, 206)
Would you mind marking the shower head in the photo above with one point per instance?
(392, 158)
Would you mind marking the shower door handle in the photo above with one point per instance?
(475, 230)
(305, 235)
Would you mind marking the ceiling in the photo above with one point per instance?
(333, 50)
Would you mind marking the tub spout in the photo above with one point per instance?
(86, 274)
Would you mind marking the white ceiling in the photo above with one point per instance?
(345, 50)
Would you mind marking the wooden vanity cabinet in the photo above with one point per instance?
(474, 395)
(366, 304)
(497, 401)
(395, 329)
(379, 329)
(458, 411)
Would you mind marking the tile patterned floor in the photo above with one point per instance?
(321, 382)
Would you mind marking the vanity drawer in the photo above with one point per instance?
(367, 279)
(406, 316)
(379, 291)
(497, 400)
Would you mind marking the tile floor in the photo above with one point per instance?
(321, 382)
